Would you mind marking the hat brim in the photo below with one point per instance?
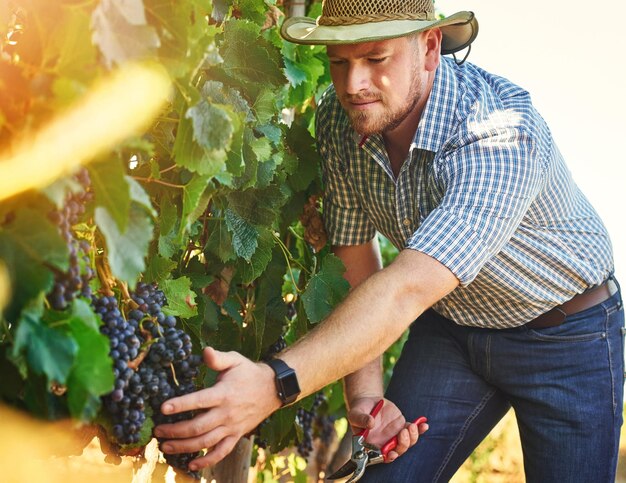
(458, 31)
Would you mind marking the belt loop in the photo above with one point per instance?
(619, 289)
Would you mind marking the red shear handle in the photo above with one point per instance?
(393, 442)
(373, 413)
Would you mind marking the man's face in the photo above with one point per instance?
(377, 83)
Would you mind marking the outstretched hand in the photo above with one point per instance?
(388, 423)
(243, 396)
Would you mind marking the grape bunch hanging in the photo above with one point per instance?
(75, 281)
(152, 357)
(153, 362)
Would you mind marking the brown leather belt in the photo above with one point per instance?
(578, 303)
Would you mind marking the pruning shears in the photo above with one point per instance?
(365, 454)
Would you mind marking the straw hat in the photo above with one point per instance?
(354, 21)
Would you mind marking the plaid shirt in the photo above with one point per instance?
(483, 190)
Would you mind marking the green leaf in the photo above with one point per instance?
(217, 93)
(48, 351)
(258, 206)
(325, 289)
(28, 278)
(220, 241)
(73, 36)
(294, 72)
(212, 125)
(262, 256)
(302, 143)
(261, 148)
(245, 236)
(281, 423)
(168, 232)
(111, 190)
(265, 106)
(121, 32)
(250, 60)
(126, 251)
(159, 268)
(139, 196)
(196, 197)
(43, 245)
(12, 381)
(181, 299)
(92, 375)
(191, 155)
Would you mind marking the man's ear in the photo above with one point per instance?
(432, 49)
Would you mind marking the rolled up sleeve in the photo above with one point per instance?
(488, 186)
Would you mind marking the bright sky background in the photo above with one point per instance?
(569, 56)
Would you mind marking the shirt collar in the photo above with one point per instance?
(437, 122)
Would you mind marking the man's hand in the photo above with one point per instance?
(388, 423)
(243, 396)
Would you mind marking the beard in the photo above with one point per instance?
(369, 123)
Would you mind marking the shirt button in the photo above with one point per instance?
(406, 222)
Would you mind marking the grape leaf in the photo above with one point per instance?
(262, 256)
(265, 106)
(325, 289)
(248, 59)
(48, 351)
(294, 72)
(220, 241)
(181, 300)
(257, 206)
(126, 250)
(43, 245)
(121, 32)
(28, 277)
(158, 269)
(139, 195)
(196, 197)
(302, 143)
(212, 126)
(253, 10)
(245, 236)
(75, 48)
(92, 374)
(277, 431)
(189, 154)
(111, 190)
(218, 93)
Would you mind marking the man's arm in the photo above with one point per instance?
(356, 333)
(364, 387)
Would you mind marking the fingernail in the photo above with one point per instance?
(166, 448)
(158, 433)
(168, 408)
(193, 467)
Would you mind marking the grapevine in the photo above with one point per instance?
(202, 230)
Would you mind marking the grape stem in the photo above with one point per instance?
(105, 277)
(127, 298)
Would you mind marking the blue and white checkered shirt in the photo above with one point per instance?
(484, 190)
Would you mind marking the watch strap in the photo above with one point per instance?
(287, 385)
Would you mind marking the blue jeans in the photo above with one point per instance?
(564, 383)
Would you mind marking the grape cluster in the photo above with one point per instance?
(73, 282)
(125, 404)
(306, 419)
(153, 362)
(275, 348)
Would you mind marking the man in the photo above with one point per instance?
(504, 267)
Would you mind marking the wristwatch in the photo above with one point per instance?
(286, 381)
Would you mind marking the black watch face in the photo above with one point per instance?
(290, 385)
